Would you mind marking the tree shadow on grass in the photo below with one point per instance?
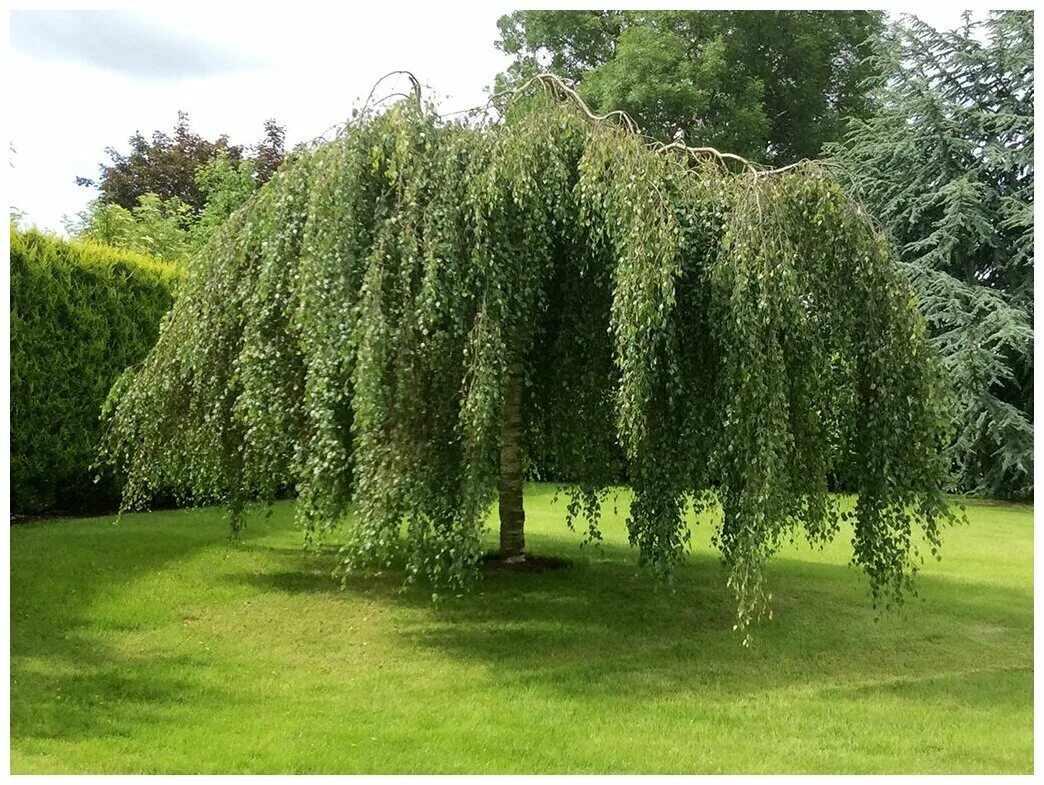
(971, 687)
(68, 681)
(601, 626)
(100, 693)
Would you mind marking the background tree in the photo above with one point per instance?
(168, 228)
(946, 163)
(225, 186)
(268, 154)
(167, 164)
(378, 322)
(155, 227)
(771, 85)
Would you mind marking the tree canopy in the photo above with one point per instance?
(168, 228)
(354, 330)
(946, 163)
(167, 165)
(774, 85)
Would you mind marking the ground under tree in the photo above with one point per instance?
(401, 310)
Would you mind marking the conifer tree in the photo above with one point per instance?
(946, 164)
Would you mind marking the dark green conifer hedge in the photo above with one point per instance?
(81, 312)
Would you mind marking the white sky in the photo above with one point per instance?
(81, 84)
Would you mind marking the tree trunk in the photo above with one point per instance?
(512, 515)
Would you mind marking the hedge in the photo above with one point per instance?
(81, 312)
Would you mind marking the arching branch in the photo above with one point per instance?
(413, 82)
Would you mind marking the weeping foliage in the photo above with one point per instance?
(735, 337)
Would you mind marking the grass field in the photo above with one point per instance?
(152, 645)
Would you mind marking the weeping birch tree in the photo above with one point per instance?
(401, 311)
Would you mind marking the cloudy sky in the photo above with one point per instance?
(85, 80)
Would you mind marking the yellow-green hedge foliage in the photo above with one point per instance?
(81, 312)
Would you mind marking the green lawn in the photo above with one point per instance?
(152, 645)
